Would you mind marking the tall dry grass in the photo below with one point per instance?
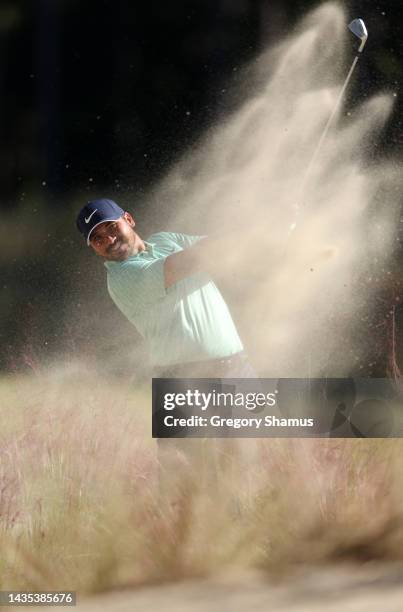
(80, 508)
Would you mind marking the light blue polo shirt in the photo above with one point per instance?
(187, 322)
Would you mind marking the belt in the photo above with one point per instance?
(210, 368)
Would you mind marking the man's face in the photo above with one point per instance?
(115, 240)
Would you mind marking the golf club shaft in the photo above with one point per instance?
(326, 129)
(322, 139)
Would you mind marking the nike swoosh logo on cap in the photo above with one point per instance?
(88, 219)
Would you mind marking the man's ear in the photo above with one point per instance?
(129, 219)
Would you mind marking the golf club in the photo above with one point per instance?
(357, 27)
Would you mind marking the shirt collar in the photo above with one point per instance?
(149, 250)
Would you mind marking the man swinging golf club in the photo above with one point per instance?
(161, 286)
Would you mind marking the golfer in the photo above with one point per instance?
(161, 286)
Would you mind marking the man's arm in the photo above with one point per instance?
(197, 258)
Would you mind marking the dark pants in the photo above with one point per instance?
(234, 366)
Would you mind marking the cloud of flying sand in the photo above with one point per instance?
(297, 299)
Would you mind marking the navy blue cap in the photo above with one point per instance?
(96, 212)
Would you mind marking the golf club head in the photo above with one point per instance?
(357, 27)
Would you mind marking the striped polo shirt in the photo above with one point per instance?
(187, 322)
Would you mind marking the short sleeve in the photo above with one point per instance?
(186, 240)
